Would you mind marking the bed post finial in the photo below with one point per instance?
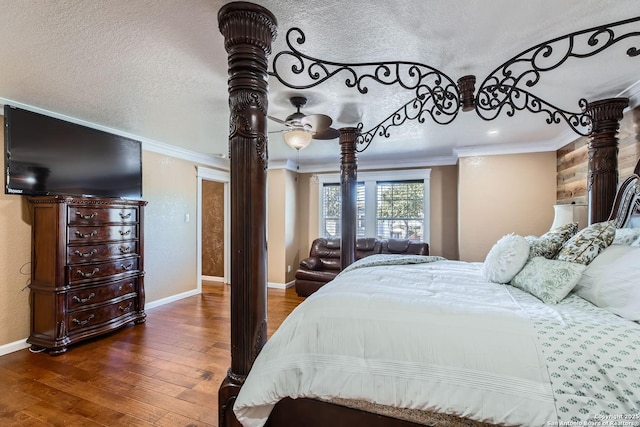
(349, 193)
(602, 183)
(248, 30)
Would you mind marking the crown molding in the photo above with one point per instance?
(181, 153)
(633, 93)
(500, 149)
(567, 136)
(381, 164)
(283, 164)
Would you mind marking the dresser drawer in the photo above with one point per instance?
(87, 275)
(89, 234)
(81, 272)
(89, 215)
(95, 316)
(101, 252)
(80, 298)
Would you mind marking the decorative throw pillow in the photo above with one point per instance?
(550, 242)
(612, 281)
(626, 236)
(588, 243)
(548, 279)
(636, 243)
(506, 258)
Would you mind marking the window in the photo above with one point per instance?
(393, 204)
(332, 210)
(400, 210)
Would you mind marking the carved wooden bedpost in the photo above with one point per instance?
(248, 30)
(349, 193)
(602, 181)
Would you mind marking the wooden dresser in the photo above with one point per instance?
(87, 275)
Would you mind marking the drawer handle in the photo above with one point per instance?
(86, 254)
(83, 300)
(93, 215)
(127, 307)
(125, 215)
(125, 232)
(125, 249)
(83, 322)
(126, 267)
(82, 235)
(86, 275)
(130, 285)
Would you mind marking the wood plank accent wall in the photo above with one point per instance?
(572, 160)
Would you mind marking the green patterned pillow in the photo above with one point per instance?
(548, 279)
(550, 242)
(588, 243)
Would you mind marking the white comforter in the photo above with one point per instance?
(431, 336)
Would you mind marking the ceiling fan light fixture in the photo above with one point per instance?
(297, 138)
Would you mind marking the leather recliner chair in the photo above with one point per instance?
(323, 263)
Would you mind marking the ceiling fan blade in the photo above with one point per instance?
(328, 133)
(318, 122)
(277, 120)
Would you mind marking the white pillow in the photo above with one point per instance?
(548, 279)
(612, 281)
(626, 236)
(506, 258)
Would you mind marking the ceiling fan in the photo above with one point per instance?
(301, 129)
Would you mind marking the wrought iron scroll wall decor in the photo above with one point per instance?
(434, 94)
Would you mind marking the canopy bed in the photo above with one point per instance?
(249, 30)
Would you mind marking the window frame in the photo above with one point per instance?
(370, 180)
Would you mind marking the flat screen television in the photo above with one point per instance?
(49, 156)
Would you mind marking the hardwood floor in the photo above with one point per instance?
(165, 372)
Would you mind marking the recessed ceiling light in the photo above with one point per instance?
(493, 132)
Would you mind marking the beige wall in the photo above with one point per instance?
(292, 254)
(307, 213)
(503, 194)
(444, 212)
(276, 220)
(15, 265)
(282, 218)
(170, 187)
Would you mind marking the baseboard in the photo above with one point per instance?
(22, 344)
(213, 278)
(281, 285)
(171, 299)
(13, 346)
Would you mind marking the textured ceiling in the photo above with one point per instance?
(157, 70)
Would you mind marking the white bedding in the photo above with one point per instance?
(438, 337)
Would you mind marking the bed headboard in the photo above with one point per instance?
(626, 206)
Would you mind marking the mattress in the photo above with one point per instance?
(429, 334)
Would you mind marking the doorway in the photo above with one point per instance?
(217, 230)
